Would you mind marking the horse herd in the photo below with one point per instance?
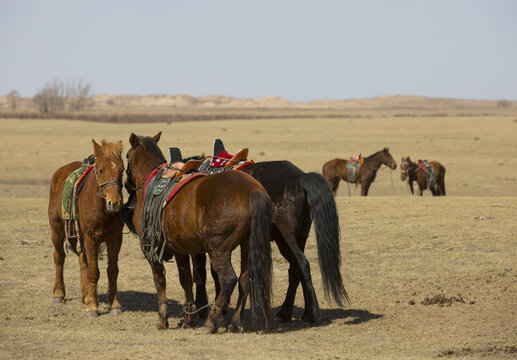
(264, 202)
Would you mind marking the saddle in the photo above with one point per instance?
(160, 188)
(353, 168)
(428, 169)
(73, 186)
(222, 161)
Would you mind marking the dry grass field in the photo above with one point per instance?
(428, 277)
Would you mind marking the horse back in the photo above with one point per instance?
(335, 168)
(210, 207)
(277, 177)
(439, 169)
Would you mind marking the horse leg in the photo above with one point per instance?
(441, 183)
(334, 184)
(160, 284)
(84, 275)
(199, 269)
(364, 188)
(58, 239)
(113, 248)
(299, 270)
(183, 263)
(221, 262)
(236, 321)
(90, 248)
(411, 187)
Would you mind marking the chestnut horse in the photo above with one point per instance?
(415, 172)
(298, 199)
(213, 214)
(335, 170)
(98, 204)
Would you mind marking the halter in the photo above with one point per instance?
(409, 167)
(105, 185)
(130, 172)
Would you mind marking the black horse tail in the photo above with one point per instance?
(326, 221)
(260, 263)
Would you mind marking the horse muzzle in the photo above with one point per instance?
(113, 207)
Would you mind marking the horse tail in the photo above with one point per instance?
(326, 221)
(260, 263)
(442, 179)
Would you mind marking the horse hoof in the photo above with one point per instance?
(234, 328)
(116, 312)
(284, 316)
(310, 318)
(211, 330)
(162, 326)
(58, 300)
(92, 314)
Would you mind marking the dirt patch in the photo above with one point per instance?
(442, 300)
(469, 351)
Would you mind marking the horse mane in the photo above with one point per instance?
(151, 146)
(111, 150)
(385, 149)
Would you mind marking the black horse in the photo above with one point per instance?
(298, 198)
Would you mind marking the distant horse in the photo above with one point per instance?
(298, 199)
(423, 176)
(98, 204)
(213, 214)
(335, 170)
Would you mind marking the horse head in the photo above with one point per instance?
(405, 167)
(108, 169)
(143, 156)
(387, 159)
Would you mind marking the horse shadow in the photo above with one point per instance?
(137, 301)
(327, 317)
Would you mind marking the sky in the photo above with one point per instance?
(298, 50)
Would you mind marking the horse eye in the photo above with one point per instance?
(101, 171)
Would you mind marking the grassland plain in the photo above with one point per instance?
(428, 277)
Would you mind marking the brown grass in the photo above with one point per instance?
(397, 250)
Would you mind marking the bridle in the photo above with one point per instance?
(130, 185)
(408, 169)
(106, 184)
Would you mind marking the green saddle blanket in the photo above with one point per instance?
(73, 186)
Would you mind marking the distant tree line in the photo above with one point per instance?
(59, 96)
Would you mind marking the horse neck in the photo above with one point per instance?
(374, 161)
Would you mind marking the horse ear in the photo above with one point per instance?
(157, 136)
(133, 140)
(96, 148)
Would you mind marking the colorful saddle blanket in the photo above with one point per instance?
(160, 188)
(428, 169)
(222, 161)
(353, 168)
(73, 185)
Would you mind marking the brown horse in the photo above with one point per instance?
(97, 205)
(212, 214)
(335, 170)
(417, 172)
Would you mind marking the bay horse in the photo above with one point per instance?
(211, 214)
(98, 204)
(298, 199)
(415, 172)
(336, 170)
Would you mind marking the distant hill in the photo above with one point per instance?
(160, 102)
